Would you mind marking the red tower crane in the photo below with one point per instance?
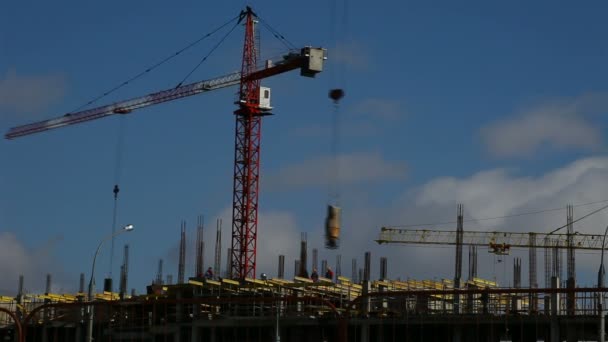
(247, 137)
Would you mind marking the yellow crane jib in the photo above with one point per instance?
(497, 242)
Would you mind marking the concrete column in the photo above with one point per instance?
(555, 310)
(365, 331)
(179, 308)
(195, 334)
(457, 333)
(213, 333)
(365, 303)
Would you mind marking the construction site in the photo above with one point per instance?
(304, 308)
(233, 301)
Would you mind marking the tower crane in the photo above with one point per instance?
(251, 109)
(497, 242)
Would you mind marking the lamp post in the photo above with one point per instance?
(600, 284)
(126, 228)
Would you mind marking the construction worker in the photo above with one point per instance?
(314, 275)
(209, 273)
(329, 274)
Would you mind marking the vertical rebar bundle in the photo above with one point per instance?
(517, 273)
(281, 271)
(548, 263)
(181, 267)
(124, 272)
(338, 266)
(81, 284)
(296, 269)
(383, 268)
(571, 264)
(199, 248)
(571, 270)
(532, 260)
(323, 267)
(557, 268)
(459, 238)
(229, 264)
(302, 271)
(315, 259)
(20, 288)
(472, 262)
(458, 260)
(159, 273)
(217, 262)
(48, 283)
(354, 271)
(532, 279)
(367, 266)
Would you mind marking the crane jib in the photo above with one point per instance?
(123, 107)
(488, 238)
(309, 60)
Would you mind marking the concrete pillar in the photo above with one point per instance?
(365, 303)
(195, 333)
(555, 310)
(457, 333)
(365, 331)
(179, 308)
(212, 333)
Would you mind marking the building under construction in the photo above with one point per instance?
(315, 308)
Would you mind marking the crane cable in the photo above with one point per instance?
(154, 66)
(274, 32)
(208, 54)
(336, 93)
(277, 35)
(333, 219)
(116, 189)
(334, 187)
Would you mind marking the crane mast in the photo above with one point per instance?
(246, 160)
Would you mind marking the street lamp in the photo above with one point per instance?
(600, 284)
(126, 228)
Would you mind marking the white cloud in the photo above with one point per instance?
(559, 124)
(280, 236)
(353, 168)
(499, 192)
(27, 93)
(16, 259)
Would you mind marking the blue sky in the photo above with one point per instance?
(500, 107)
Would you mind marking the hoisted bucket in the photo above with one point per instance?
(332, 227)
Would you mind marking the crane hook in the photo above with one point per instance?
(336, 94)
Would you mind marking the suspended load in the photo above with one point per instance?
(336, 95)
(332, 227)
